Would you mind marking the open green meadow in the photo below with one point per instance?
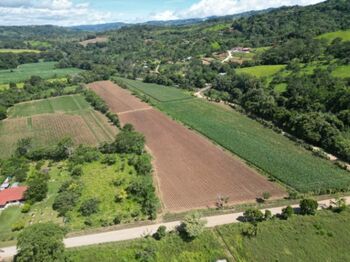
(19, 51)
(344, 35)
(261, 71)
(273, 153)
(47, 121)
(323, 237)
(45, 70)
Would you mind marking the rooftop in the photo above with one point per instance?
(12, 195)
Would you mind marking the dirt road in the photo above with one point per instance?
(138, 232)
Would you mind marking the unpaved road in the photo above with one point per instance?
(139, 232)
(191, 171)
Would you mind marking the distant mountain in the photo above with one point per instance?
(179, 22)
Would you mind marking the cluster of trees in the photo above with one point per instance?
(12, 60)
(340, 49)
(314, 107)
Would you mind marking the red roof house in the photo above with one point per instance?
(13, 194)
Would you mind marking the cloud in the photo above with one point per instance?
(206, 8)
(58, 12)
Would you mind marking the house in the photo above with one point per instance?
(12, 196)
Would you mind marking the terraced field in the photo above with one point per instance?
(276, 155)
(49, 120)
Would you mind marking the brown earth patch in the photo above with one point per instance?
(192, 171)
(99, 39)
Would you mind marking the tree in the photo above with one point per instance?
(339, 205)
(129, 142)
(37, 188)
(287, 212)
(41, 243)
(253, 215)
(192, 225)
(308, 207)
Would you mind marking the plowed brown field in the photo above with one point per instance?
(191, 170)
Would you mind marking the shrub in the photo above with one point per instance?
(161, 233)
(308, 207)
(17, 226)
(266, 195)
(26, 208)
(287, 212)
(77, 171)
(267, 215)
(89, 207)
(109, 160)
(192, 225)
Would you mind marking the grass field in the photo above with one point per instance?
(260, 146)
(344, 35)
(45, 70)
(97, 181)
(261, 71)
(49, 120)
(18, 51)
(323, 237)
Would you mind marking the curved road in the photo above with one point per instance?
(139, 232)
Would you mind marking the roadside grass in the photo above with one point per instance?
(344, 35)
(19, 51)
(47, 121)
(324, 237)
(172, 248)
(270, 152)
(261, 71)
(45, 70)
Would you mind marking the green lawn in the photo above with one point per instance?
(18, 51)
(344, 35)
(47, 121)
(45, 70)
(260, 146)
(261, 71)
(324, 237)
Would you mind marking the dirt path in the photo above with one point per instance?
(200, 92)
(139, 232)
(228, 58)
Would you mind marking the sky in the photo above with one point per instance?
(80, 12)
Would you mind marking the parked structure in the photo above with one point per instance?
(12, 196)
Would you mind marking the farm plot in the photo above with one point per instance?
(191, 171)
(45, 70)
(99, 39)
(49, 120)
(273, 153)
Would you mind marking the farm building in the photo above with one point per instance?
(240, 50)
(12, 196)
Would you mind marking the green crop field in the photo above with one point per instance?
(45, 70)
(47, 121)
(260, 146)
(344, 35)
(323, 237)
(18, 51)
(165, 94)
(261, 71)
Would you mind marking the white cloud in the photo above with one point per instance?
(58, 12)
(206, 8)
(163, 16)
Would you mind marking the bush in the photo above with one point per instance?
(109, 160)
(308, 207)
(37, 188)
(17, 226)
(161, 233)
(287, 212)
(26, 208)
(77, 171)
(89, 207)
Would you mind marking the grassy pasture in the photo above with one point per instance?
(49, 120)
(261, 71)
(344, 35)
(323, 237)
(45, 70)
(19, 51)
(260, 146)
